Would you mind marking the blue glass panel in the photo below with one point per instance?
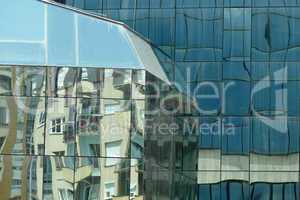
(210, 133)
(237, 18)
(209, 192)
(79, 3)
(236, 71)
(142, 4)
(261, 191)
(207, 97)
(128, 4)
(236, 135)
(70, 2)
(269, 97)
(187, 3)
(58, 54)
(111, 4)
(112, 14)
(22, 53)
(278, 39)
(198, 3)
(142, 22)
(93, 4)
(162, 3)
(22, 20)
(234, 190)
(263, 3)
(162, 21)
(199, 34)
(194, 71)
(267, 140)
(272, 71)
(237, 45)
(236, 3)
(210, 3)
(291, 191)
(100, 51)
(293, 95)
(236, 97)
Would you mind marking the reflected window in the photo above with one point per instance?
(112, 152)
(42, 118)
(59, 159)
(57, 126)
(5, 81)
(112, 108)
(4, 116)
(109, 191)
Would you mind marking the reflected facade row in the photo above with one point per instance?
(71, 133)
(62, 177)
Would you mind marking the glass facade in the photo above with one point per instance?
(236, 97)
(72, 104)
(88, 111)
(67, 133)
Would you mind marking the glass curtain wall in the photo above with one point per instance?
(71, 133)
(237, 64)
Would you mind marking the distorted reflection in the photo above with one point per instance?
(74, 131)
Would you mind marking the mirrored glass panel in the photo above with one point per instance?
(6, 83)
(90, 82)
(62, 81)
(59, 179)
(21, 177)
(117, 84)
(96, 180)
(22, 125)
(61, 127)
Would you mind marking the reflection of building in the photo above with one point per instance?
(73, 105)
(232, 45)
(72, 126)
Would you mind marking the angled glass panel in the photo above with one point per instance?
(61, 36)
(99, 51)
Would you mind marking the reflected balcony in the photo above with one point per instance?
(69, 133)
